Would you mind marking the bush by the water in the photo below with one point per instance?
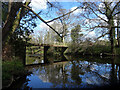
(118, 51)
(11, 69)
(97, 49)
(89, 50)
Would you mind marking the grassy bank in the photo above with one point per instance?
(97, 50)
(11, 70)
(91, 50)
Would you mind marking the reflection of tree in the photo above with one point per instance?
(57, 75)
(75, 71)
(54, 73)
(98, 73)
(20, 84)
(115, 72)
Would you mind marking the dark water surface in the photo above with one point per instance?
(72, 72)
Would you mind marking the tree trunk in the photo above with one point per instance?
(118, 41)
(7, 49)
(19, 16)
(118, 32)
(9, 22)
(112, 41)
(63, 40)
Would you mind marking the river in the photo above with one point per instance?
(70, 72)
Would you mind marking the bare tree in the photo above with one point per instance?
(100, 17)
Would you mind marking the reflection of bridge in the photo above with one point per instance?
(55, 64)
(55, 72)
(53, 45)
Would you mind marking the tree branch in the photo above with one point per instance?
(41, 19)
(63, 15)
(116, 13)
(9, 9)
(19, 17)
(102, 35)
(115, 26)
(9, 23)
(97, 15)
(99, 9)
(100, 27)
(115, 7)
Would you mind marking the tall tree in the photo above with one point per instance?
(13, 8)
(64, 23)
(75, 34)
(100, 17)
(118, 24)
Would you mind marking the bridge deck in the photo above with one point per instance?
(48, 45)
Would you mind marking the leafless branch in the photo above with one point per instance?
(98, 15)
(41, 19)
(115, 7)
(116, 13)
(102, 35)
(63, 15)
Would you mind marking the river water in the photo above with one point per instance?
(70, 72)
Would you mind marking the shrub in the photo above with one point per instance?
(97, 49)
(118, 51)
(10, 69)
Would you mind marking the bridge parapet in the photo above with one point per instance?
(51, 45)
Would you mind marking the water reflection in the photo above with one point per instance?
(40, 59)
(34, 59)
(80, 72)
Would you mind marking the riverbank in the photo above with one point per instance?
(12, 71)
(93, 50)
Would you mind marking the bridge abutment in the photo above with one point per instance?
(45, 53)
(63, 50)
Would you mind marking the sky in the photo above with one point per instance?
(38, 5)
